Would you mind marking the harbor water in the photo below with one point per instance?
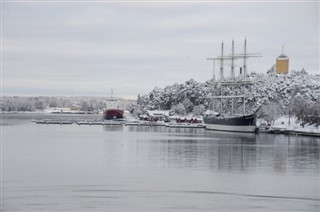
(141, 168)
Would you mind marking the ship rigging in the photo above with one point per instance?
(232, 121)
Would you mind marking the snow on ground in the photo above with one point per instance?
(283, 123)
(57, 109)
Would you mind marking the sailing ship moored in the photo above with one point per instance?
(231, 122)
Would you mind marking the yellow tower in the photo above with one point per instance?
(282, 64)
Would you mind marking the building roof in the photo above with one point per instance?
(282, 56)
(158, 113)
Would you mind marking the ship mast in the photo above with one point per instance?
(221, 62)
(232, 61)
(245, 59)
(244, 71)
(214, 71)
(221, 74)
(232, 82)
(232, 57)
(213, 83)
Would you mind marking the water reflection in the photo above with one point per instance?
(232, 151)
(232, 137)
(163, 129)
(111, 128)
(215, 154)
(145, 129)
(116, 168)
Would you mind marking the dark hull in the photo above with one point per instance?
(234, 124)
(111, 114)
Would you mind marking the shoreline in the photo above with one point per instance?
(285, 131)
(281, 125)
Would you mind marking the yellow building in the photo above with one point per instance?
(282, 64)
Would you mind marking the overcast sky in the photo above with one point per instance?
(88, 48)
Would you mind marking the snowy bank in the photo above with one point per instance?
(283, 123)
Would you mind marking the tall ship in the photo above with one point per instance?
(226, 89)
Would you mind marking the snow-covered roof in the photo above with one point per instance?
(211, 112)
(186, 117)
(158, 112)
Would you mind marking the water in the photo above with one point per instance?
(118, 168)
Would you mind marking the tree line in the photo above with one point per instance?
(20, 103)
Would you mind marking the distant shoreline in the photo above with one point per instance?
(285, 129)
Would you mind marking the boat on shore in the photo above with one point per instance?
(220, 121)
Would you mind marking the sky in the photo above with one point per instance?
(82, 48)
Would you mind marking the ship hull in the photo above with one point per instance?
(111, 114)
(232, 124)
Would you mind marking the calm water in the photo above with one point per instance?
(96, 168)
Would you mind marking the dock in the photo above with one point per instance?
(99, 123)
(186, 125)
(61, 122)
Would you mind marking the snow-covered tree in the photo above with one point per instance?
(198, 110)
(179, 109)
